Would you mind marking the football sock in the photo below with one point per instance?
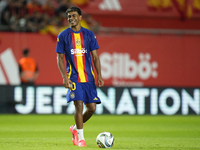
(80, 134)
(75, 128)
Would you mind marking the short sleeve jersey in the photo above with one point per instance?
(77, 47)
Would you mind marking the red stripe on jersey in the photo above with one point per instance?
(74, 47)
(83, 57)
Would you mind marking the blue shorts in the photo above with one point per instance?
(85, 92)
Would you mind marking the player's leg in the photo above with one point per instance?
(77, 129)
(91, 107)
(80, 119)
(91, 99)
(78, 116)
(76, 95)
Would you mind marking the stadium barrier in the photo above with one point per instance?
(144, 60)
(115, 100)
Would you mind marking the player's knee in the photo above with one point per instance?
(92, 109)
(78, 103)
(78, 106)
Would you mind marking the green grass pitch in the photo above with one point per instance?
(134, 132)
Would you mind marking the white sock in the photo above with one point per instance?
(75, 127)
(80, 134)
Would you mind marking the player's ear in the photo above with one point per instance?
(80, 17)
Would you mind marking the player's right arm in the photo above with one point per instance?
(60, 62)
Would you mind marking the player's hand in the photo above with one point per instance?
(67, 83)
(100, 82)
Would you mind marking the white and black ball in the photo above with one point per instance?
(105, 140)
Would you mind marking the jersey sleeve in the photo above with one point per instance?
(93, 44)
(60, 44)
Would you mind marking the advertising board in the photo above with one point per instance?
(128, 60)
(115, 100)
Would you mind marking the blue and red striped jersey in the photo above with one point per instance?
(77, 47)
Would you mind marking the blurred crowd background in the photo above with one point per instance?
(48, 16)
(44, 16)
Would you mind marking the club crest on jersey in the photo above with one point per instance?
(78, 42)
(72, 95)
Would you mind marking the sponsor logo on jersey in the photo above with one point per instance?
(78, 51)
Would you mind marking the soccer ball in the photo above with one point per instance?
(105, 140)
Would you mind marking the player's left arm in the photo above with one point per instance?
(97, 66)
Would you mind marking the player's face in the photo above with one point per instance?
(74, 18)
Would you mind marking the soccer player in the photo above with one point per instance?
(75, 44)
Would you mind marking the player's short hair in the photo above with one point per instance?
(25, 51)
(71, 9)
